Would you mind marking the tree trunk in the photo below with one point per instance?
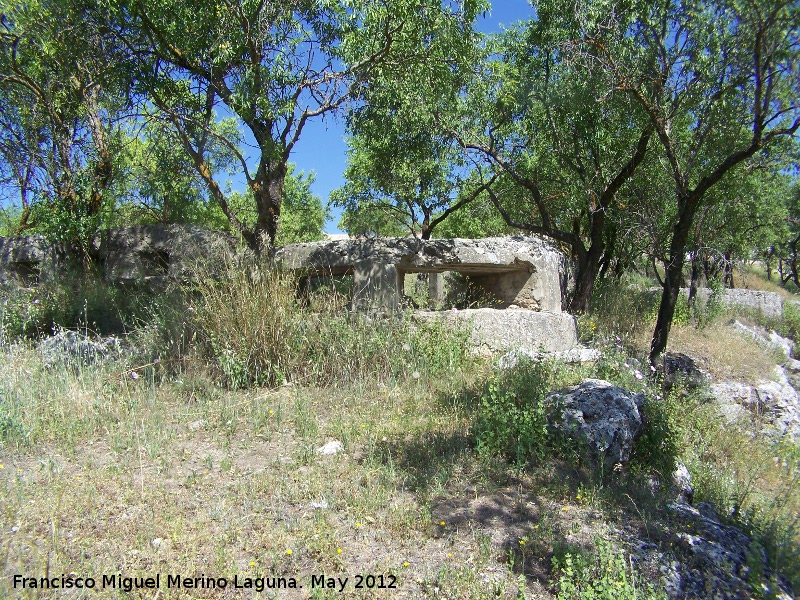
(585, 277)
(588, 264)
(268, 192)
(673, 276)
(695, 278)
(727, 278)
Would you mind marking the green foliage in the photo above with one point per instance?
(303, 215)
(26, 312)
(659, 446)
(620, 309)
(603, 574)
(75, 301)
(62, 90)
(401, 161)
(511, 419)
(789, 325)
(370, 220)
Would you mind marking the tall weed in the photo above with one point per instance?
(258, 333)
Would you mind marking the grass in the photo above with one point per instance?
(443, 487)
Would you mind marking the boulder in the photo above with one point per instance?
(773, 403)
(603, 417)
(769, 340)
(680, 367)
(72, 348)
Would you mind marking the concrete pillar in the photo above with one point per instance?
(376, 286)
(436, 291)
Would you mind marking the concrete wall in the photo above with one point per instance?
(522, 271)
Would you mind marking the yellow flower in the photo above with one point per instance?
(338, 551)
(362, 426)
(271, 412)
(358, 524)
(288, 552)
(442, 523)
(252, 563)
(565, 508)
(522, 542)
(449, 555)
(405, 564)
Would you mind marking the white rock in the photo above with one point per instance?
(332, 447)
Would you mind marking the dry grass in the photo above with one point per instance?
(752, 277)
(174, 474)
(723, 352)
(110, 475)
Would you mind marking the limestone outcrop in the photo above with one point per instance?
(603, 417)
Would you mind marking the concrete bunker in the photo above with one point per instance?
(521, 272)
(523, 275)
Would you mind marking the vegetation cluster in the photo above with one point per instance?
(655, 143)
(616, 129)
(197, 405)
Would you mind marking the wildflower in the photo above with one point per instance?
(358, 524)
(405, 564)
(134, 375)
(638, 374)
(566, 508)
(522, 542)
(442, 523)
(449, 555)
(252, 563)
(406, 347)
(1, 465)
(271, 411)
(415, 375)
(288, 552)
(338, 551)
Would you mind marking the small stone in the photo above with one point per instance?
(332, 447)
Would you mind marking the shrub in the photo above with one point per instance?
(601, 575)
(512, 414)
(77, 300)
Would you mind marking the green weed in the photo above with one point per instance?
(604, 574)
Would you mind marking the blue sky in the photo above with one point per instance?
(322, 147)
